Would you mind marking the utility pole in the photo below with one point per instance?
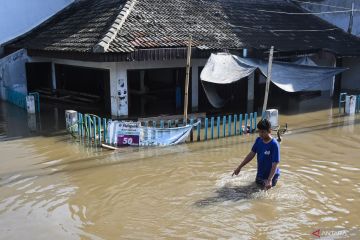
(351, 21)
(186, 96)
(268, 78)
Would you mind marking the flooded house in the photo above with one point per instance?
(345, 15)
(127, 58)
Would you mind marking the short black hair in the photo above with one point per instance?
(264, 124)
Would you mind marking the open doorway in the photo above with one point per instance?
(88, 86)
(79, 88)
(157, 91)
(38, 76)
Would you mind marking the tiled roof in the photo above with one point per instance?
(119, 26)
(77, 28)
(157, 23)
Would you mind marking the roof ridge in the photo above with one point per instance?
(105, 42)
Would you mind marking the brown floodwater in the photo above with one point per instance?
(54, 187)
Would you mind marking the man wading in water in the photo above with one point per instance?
(268, 156)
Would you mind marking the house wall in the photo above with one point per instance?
(20, 16)
(12, 73)
(340, 19)
(118, 77)
(351, 78)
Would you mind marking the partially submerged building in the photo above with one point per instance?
(128, 57)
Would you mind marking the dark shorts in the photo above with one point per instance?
(261, 181)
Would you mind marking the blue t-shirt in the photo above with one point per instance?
(267, 153)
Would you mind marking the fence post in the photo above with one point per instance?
(212, 127)
(251, 122)
(255, 121)
(235, 123)
(224, 126)
(218, 126)
(161, 123)
(240, 124)
(206, 128)
(229, 125)
(245, 123)
(89, 127)
(99, 129)
(94, 122)
(191, 132)
(79, 124)
(198, 130)
(342, 101)
(105, 128)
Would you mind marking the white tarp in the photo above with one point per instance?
(291, 77)
(223, 68)
(122, 133)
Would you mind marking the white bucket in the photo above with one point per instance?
(71, 118)
(273, 116)
(350, 104)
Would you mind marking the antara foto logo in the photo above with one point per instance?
(316, 233)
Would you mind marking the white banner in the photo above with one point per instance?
(122, 133)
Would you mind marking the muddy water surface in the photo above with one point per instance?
(52, 187)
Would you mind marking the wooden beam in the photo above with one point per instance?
(268, 79)
(186, 96)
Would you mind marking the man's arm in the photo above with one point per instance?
(247, 159)
(273, 170)
(275, 158)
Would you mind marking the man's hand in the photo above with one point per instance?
(268, 184)
(236, 171)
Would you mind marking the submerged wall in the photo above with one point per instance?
(13, 72)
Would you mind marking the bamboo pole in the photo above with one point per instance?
(351, 21)
(268, 78)
(186, 96)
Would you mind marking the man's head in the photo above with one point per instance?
(264, 127)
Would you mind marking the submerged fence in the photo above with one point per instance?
(19, 99)
(94, 128)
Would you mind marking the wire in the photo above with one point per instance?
(286, 30)
(319, 4)
(306, 13)
(300, 13)
(305, 30)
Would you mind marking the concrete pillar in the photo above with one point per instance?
(195, 87)
(119, 90)
(251, 82)
(332, 90)
(250, 93)
(53, 76)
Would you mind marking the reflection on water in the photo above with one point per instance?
(54, 187)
